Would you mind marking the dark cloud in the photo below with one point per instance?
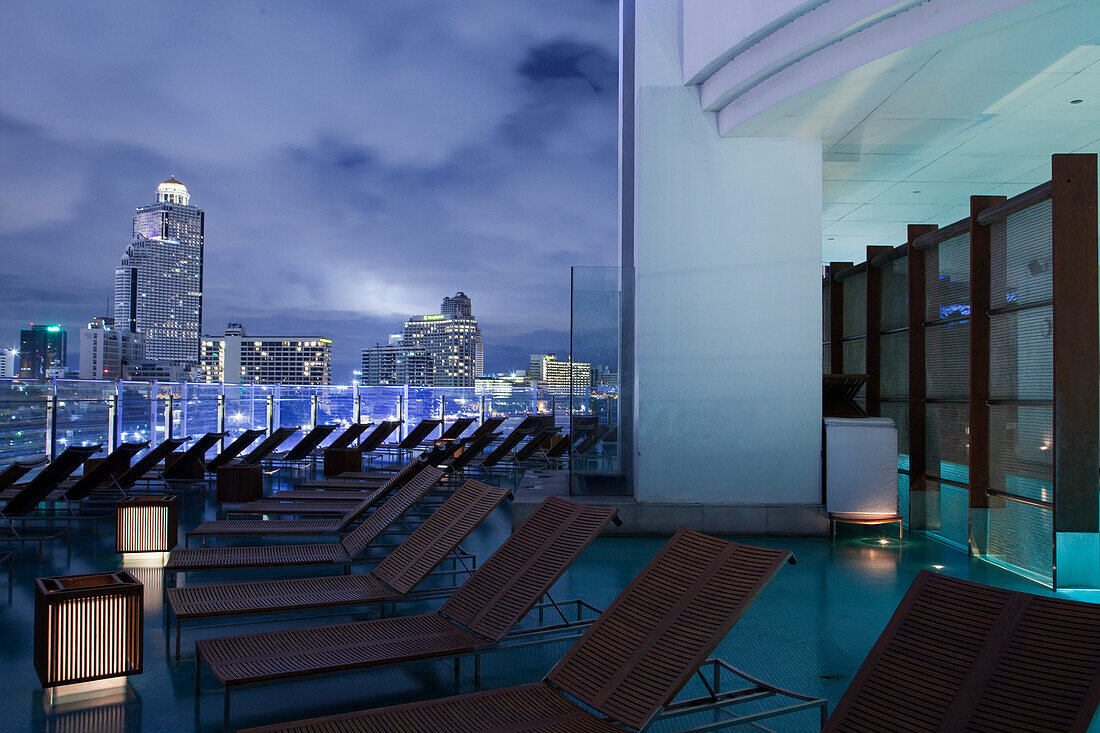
(356, 161)
(565, 59)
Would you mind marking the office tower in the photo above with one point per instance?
(239, 358)
(105, 351)
(396, 363)
(41, 347)
(560, 377)
(158, 285)
(452, 338)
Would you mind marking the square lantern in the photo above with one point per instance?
(146, 524)
(87, 628)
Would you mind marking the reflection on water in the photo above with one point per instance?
(114, 712)
(150, 571)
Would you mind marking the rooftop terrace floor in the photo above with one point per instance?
(808, 632)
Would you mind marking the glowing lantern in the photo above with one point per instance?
(146, 524)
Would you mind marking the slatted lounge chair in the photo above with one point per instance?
(589, 441)
(488, 425)
(187, 460)
(304, 448)
(267, 446)
(455, 430)
(962, 656)
(49, 479)
(534, 445)
(284, 527)
(345, 552)
(233, 450)
(146, 467)
(346, 438)
(393, 579)
(294, 501)
(626, 669)
(29, 495)
(417, 435)
(372, 442)
(16, 471)
(479, 614)
(499, 453)
(103, 473)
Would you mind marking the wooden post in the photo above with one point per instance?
(917, 386)
(836, 318)
(1076, 371)
(873, 367)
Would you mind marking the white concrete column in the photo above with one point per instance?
(727, 246)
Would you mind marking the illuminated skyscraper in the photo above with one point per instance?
(452, 338)
(158, 285)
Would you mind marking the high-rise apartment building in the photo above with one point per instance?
(106, 351)
(41, 348)
(561, 377)
(239, 358)
(397, 364)
(452, 338)
(158, 285)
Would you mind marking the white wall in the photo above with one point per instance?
(728, 312)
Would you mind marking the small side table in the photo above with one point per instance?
(239, 483)
(342, 460)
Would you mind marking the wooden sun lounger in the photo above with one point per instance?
(233, 450)
(291, 501)
(268, 445)
(534, 445)
(284, 527)
(195, 453)
(29, 495)
(501, 451)
(416, 436)
(103, 473)
(16, 471)
(304, 448)
(351, 432)
(630, 664)
(372, 442)
(392, 579)
(476, 617)
(960, 656)
(146, 467)
(455, 430)
(345, 552)
(489, 425)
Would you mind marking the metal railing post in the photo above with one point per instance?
(402, 402)
(442, 414)
(313, 411)
(357, 405)
(51, 426)
(221, 417)
(270, 414)
(169, 405)
(481, 411)
(112, 420)
(154, 391)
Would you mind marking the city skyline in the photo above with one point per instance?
(327, 212)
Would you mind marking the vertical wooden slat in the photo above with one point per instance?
(980, 284)
(917, 385)
(836, 318)
(873, 364)
(1076, 344)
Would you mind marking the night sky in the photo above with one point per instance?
(356, 161)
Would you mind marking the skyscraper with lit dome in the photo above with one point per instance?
(158, 285)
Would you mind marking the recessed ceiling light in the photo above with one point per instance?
(1076, 101)
(917, 191)
(831, 238)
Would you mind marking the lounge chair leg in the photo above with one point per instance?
(458, 673)
(198, 673)
(177, 638)
(477, 671)
(225, 719)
